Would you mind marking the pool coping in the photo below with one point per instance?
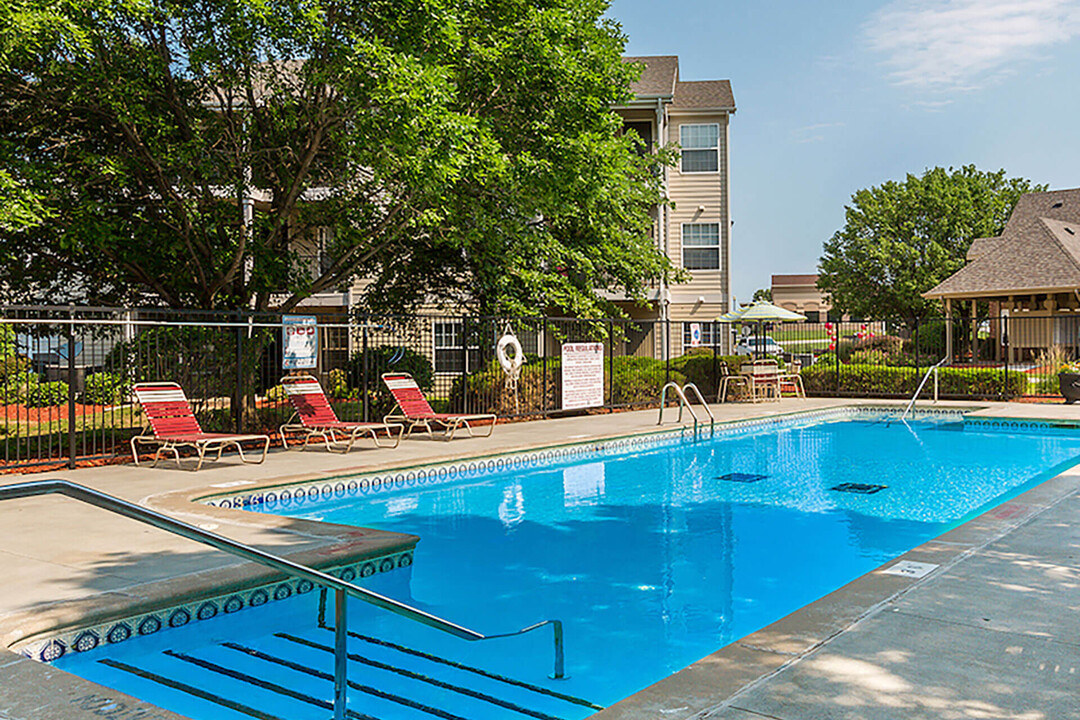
(700, 687)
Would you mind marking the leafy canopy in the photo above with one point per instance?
(900, 239)
(456, 149)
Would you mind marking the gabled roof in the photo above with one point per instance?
(659, 77)
(704, 95)
(981, 246)
(1035, 255)
(1056, 205)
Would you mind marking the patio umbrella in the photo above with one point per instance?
(760, 312)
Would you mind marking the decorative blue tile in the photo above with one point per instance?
(86, 640)
(234, 603)
(149, 625)
(179, 618)
(118, 633)
(207, 610)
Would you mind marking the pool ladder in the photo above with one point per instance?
(340, 587)
(680, 392)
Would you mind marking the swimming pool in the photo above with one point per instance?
(653, 556)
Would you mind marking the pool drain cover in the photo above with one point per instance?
(859, 488)
(741, 477)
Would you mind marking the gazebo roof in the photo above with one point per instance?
(1038, 252)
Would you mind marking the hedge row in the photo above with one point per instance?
(884, 380)
(627, 381)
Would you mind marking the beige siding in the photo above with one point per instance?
(700, 198)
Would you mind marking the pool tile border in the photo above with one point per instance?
(295, 494)
(84, 639)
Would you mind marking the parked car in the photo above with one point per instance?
(758, 345)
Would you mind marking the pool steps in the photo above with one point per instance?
(280, 679)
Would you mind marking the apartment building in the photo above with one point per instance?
(695, 232)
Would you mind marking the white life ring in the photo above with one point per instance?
(510, 364)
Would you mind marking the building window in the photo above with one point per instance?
(707, 337)
(701, 246)
(450, 348)
(813, 316)
(700, 148)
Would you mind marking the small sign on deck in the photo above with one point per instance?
(911, 569)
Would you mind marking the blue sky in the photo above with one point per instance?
(837, 96)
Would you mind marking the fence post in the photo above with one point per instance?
(364, 361)
(666, 334)
(464, 364)
(836, 357)
(238, 397)
(918, 373)
(543, 363)
(71, 388)
(715, 360)
(611, 361)
(1005, 332)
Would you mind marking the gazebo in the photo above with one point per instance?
(1029, 274)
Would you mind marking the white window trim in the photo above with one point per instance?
(435, 347)
(699, 172)
(683, 246)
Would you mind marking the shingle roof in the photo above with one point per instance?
(981, 246)
(704, 95)
(659, 76)
(1056, 205)
(1035, 255)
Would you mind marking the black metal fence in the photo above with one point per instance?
(66, 373)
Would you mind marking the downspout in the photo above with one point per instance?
(661, 224)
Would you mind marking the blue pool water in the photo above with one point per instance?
(653, 558)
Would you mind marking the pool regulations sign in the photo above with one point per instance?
(301, 342)
(582, 375)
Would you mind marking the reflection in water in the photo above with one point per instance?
(583, 485)
(512, 507)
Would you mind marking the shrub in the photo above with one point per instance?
(105, 389)
(901, 381)
(391, 358)
(886, 344)
(628, 380)
(869, 357)
(277, 394)
(12, 365)
(46, 394)
(698, 367)
(337, 385)
(13, 388)
(382, 359)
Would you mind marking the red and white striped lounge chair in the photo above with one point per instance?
(413, 410)
(173, 425)
(318, 419)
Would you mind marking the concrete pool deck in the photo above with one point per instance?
(990, 633)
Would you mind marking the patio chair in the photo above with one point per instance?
(318, 419)
(413, 410)
(173, 425)
(791, 380)
(728, 378)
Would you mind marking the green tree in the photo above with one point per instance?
(763, 294)
(462, 150)
(900, 239)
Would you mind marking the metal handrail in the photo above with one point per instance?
(701, 399)
(680, 392)
(341, 587)
(932, 369)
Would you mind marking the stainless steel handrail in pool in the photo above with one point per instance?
(680, 392)
(341, 588)
(933, 369)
